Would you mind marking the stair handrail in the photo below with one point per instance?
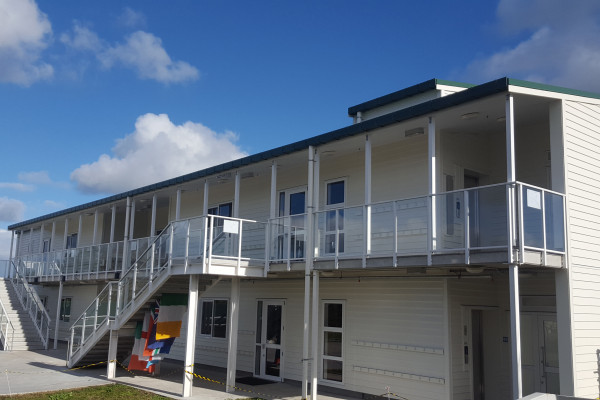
(4, 328)
(33, 304)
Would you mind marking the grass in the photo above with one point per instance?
(113, 391)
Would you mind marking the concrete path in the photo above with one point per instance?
(41, 371)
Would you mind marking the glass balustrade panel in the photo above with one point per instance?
(450, 221)
(555, 222)
(533, 230)
(487, 213)
(253, 242)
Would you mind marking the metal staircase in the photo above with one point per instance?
(208, 246)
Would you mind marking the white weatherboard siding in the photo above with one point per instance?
(582, 164)
(393, 332)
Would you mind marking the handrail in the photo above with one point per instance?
(32, 304)
(4, 329)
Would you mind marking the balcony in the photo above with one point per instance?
(496, 224)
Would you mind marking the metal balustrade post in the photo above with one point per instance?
(83, 328)
(467, 227)
(134, 283)
(109, 301)
(543, 205)
(96, 314)
(239, 255)
(171, 246)
(337, 238)
(267, 246)
(71, 343)
(204, 247)
(287, 237)
(187, 245)
(521, 222)
(153, 249)
(210, 241)
(395, 256)
(430, 227)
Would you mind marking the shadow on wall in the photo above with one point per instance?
(598, 370)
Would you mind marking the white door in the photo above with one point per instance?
(539, 353)
(269, 339)
(292, 207)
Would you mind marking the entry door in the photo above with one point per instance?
(269, 339)
(539, 353)
(292, 204)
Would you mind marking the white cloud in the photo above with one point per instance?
(142, 52)
(35, 177)
(561, 44)
(11, 210)
(157, 150)
(24, 34)
(131, 18)
(21, 187)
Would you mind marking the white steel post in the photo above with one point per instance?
(52, 235)
(125, 264)
(233, 334)
(315, 336)
(367, 199)
(10, 256)
(153, 216)
(95, 235)
(111, 368)
(432, 228)
(307, 268)
(132, 223)
(41, 246)
(515, 325)
(205, 204)
(113, 217)
(58, 302)
(190, 343)
(236, 196)
(178, 205)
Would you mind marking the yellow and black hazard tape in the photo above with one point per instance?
(265, 395)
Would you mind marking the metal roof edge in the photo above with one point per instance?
(419, 88)
(552, 88)
(440, 103)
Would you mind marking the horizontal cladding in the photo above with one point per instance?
(582, 149)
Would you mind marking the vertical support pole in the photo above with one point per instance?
(10, 256)
(178, 205)
(113, 217)
(190, 343)
(467, 227)
(205, 204)
(367, 199)
(95, 234)
(510, 173)
(153, 216)
(125, 264)
(111, 368)
(132, 223)
(272, 215)
(233, 334)
(307, 269)
(52, 235)
(316, 187)
(236, 196)
(273, 203)
(58, 302)
(41, 247)
(79, 229)
(515, 325)
(315, 336)
(432, 228)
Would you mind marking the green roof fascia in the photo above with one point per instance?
(552, 88)
(403, 94)
(418, 110)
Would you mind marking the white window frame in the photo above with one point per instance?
(334, 207)
(212, 322)
(323, 329)
(62, 314)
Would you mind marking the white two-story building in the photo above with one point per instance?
(446, 244)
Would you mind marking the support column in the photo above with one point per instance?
(205, 205)
(132, 223)
(190, 343)
(41, 247)
(79, 229)
(273, 203)
(315, 336)
(125, 263)
(432, 228)
(52, 235)
(17, 250)
(178, 205)
(60, 291)
(113, 343)
(113, 217)
(236, 196)
(515, 325)
(30, 245)
(367, 198)
(307, 269)
(66, 234)
(10, 256)
(233, 334)
(153, 216)
(95, 235)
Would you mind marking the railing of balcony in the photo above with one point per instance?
(204, 240)
(463, 221)
(31, 302)
(287, 238)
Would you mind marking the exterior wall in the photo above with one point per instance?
(379, 312)
(582, 170)
(532, 146)
(82, 296)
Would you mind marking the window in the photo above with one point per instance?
(222, 210)
(334, 221)
(72, 241)
(46, 247)
(65, 309)
(214, 318)
(332, 336)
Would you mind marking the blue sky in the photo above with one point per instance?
(100, 97)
